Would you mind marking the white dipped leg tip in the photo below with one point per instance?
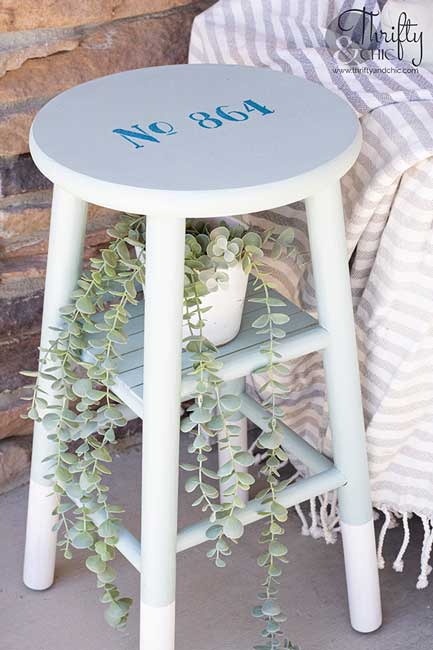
(40, 551)
(362, 576)
(157, 626)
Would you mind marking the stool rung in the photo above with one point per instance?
(302, 490)
(244, 362)
(292, 442)
(195, 534)
(237, 364)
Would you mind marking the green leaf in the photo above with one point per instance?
(257, 612)
(113, 616)
(200, 416)
(191, 484)
(29, 373)
(86, 482)
(274, 571)
(65, 507)
(210, 491)
(73, 491)
(82, 540)
(113, 414)
(272, 626)
(226, 469)
(261, 321)
(187, 425)
(85, 305)
(102, 453)
(277, 250)
(108, 529)
(275, 529)
(130, 289)
(233, 527)
(106, 552)
(287, 236)
(214, 531)
(187, 467)
(270, 608)
(68, 458)
(270, 440)
(252, 239)
(263, 559)
(244, 458)
(95, 395)
(109, 258)
(245, 479)
(62, 475)
(95, 564)
(279, 511)
(117, 337)
(209, 473)
(280, 319)
(216, 423)
(123, 251)
(107, 576)
(277, 549)
(82, 387)
(246, 265)
(124, 604)
(276, 302)
(231, 402)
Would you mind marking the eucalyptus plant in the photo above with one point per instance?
(80, 365)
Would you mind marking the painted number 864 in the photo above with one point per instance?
(206, 121)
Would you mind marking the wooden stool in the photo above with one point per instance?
(205, 141)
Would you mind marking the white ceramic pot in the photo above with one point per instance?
(223, 320)
(419, 12)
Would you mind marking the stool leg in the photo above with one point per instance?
(235, 387)
(334, 301)
(67, 232)
(165, 246)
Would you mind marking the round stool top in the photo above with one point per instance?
(195, 140)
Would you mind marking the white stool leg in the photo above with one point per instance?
(334, 300)
(165, 246)
(67, 232)
(235, 387)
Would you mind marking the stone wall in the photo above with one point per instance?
(46, 47)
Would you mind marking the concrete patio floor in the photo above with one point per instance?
(69, 617)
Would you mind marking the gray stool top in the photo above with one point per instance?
(195, 140)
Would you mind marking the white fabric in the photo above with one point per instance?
(389, 213)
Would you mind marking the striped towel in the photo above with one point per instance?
(388, 197)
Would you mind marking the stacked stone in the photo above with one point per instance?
(45, 48)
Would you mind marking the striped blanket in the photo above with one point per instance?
(388, 198)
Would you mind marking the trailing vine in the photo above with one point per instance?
(271, 440)
(83, 420)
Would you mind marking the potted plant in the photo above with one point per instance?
(82, 423)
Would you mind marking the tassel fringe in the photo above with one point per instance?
(382, 534)
(425, 553)
(398, 562)
(305, 529)
(325, 519)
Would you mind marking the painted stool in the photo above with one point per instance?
(205, 141)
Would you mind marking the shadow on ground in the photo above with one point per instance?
(213, 605)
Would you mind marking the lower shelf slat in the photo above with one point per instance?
(240, 356)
